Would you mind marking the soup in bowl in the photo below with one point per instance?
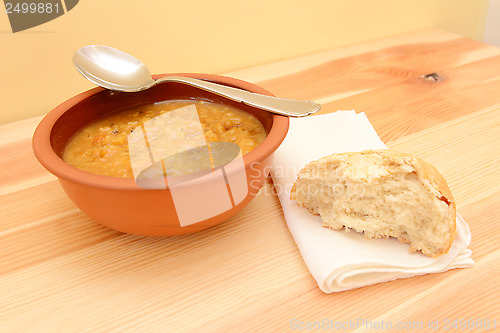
(169, 160)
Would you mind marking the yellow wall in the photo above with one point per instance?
(36, 72)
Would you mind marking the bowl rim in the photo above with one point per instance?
(44, 153)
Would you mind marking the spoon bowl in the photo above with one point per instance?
(116, 70)
(112, 69)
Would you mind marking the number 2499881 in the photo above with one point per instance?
(32, 8)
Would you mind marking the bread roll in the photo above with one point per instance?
(381, 193)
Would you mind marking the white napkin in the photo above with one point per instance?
(340, 260)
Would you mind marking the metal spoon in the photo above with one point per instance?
(116, 70)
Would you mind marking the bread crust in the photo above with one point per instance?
(428, 174)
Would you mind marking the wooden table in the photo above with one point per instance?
(431, 93)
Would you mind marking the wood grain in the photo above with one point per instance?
(63, 272)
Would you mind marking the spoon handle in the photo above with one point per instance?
(282, 106)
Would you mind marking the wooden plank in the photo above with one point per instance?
(18, 130)
(286, 67)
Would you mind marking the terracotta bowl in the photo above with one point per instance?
(184, 207)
